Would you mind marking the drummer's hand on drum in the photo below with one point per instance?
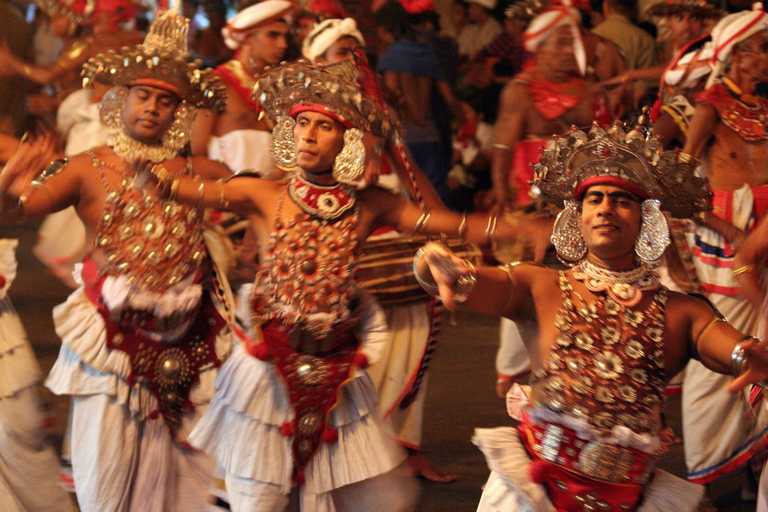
(436, 264)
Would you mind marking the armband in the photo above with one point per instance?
(49, 172)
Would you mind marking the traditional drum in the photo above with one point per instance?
(386, 267)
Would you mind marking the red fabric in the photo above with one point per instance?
(526, 154)
(313, 107)
(551, 99)
(572, 492)
(242, 85)
(608, 180)
(312, 401)
(158, 84)
(746, 117)
(417, 6)
(196, 348)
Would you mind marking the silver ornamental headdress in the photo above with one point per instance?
(632, 160)
(161, 61)
(635, 157)
(332, 90)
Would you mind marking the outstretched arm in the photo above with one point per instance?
(488, 290)
(722, 348)
(16, 178)
(750, 263)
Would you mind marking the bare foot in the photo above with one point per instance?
(423, 468)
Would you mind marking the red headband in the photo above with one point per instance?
(158, 84)
(314, 107)
(581, 189)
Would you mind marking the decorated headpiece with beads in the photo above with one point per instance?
(161, 61)
(82, 12)
(333, 90)
(633, 160)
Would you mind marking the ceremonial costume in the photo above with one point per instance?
(294, 412)
(28, 463)
(551, 101)
(245, 148)
(589, 435)
(144, 334)
(722, 433)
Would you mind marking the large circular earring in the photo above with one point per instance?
(178, 135)
(566, 234)
(349, 164)
(283, 146)
(654, 233)
(111, 108)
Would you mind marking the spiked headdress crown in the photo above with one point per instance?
(161, 61)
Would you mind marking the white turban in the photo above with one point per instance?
(251, 17)
(544, 26)
(326, 33)
(735, 28)
(730, 31)
(689, 68)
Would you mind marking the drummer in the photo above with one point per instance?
(308, 305)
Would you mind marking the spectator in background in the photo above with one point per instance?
(209, 43)
(636, 46)
(238, 136)
(413, 74)
(102, 27)
(481, 29)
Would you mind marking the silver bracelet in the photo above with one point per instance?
(462, 288)
(739, 356)
(465, 284)
(430, 288)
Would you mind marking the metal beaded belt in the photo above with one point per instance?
(601, 461)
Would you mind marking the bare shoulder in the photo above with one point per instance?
(375, 198)
(516, 93)
(534, 276)
(210, 169)
(690, 306)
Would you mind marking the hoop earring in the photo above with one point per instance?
(566, 234)
(177, 136)
(283, 146)
(350, 162)
(654, 233)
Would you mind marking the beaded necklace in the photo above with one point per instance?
(129, 148)
(743, 113)
(155, 243)
(606, 366)
(624, 287)
(326, 202)
(307, 275)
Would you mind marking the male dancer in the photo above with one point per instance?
(145, 332)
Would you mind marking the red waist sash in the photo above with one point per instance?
(170, 369)
(579, 474)
(314, 371)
